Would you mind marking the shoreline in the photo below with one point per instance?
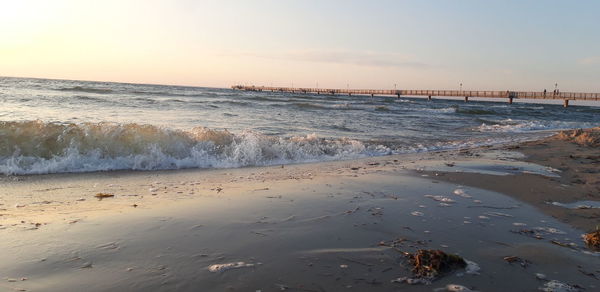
(569, 187)
(577, 179)
(324, 226)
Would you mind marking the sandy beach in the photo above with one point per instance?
(328, 226)
(302, 146)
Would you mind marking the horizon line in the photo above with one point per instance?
(230, 87)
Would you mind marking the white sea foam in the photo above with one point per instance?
(37, 148)
(229, 266)
(462, 193)
(557, 286)
(518, 126)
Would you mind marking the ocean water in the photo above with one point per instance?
(60, 126)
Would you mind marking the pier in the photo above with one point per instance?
(509, 95)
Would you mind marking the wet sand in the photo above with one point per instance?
(313, 227)
(577, 179)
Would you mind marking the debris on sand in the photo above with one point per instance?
(440, 198)
(376, 211)
(454, 288)
(461, 193)
(592, 240)
(228, 266)
(528, 232)
(430, 264)
(557, 286)
(412, 281)
(564, 244)
(472, 268)
(103, 195)
(394, 243)
(282, 287)
(550, 230)
(515, 259)
(498, 214)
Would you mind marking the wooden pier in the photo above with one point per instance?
(508, 94)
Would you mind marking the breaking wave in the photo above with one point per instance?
(36, 147)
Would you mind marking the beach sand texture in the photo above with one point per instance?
(331, 226)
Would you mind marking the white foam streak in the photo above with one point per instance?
(516, 126)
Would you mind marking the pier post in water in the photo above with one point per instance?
(466, 99)
(429, 97)
(510, 100)
(566, 103)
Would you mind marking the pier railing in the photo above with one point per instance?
(508, 94)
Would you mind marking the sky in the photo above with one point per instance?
(421, 44)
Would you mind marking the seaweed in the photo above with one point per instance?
(592, 240)
(101, 196)
(433, 263)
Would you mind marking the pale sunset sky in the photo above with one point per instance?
(516, 44)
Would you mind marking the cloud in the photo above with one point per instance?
(359, 58)
(589, 60)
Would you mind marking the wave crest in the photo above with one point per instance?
(36, 147)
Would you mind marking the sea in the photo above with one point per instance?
(64, 126)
